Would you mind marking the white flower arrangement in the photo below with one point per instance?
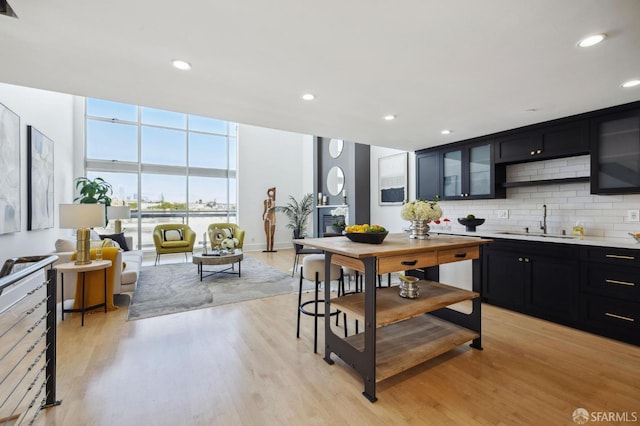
(421, 210)
(339, 211)
(229, 243)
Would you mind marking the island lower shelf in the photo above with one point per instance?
(405, 344)
(391, 308)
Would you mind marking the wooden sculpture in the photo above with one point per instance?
(269, 217)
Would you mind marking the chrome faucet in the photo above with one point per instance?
(543, 222)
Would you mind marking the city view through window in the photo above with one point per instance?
(168, 167)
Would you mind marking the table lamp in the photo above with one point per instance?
(82, 217)
(117, 213)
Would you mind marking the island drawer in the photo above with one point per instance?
(456, 255)
(406, 262)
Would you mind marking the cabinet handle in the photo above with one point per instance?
(520, 259)
(460, 255)
(526, 259)
(619, 256)
(620, 282)
(539, 151)
(409, 262)
(533, 153)
(619, 317)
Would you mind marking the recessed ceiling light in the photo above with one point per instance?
(181, 65)
(591, 40)
(631, 83)
(389, 117)
(308, 96)
(446, 132)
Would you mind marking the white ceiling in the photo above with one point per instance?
(471, 66)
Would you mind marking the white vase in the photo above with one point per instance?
(419, 230)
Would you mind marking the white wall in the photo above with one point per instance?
(52, 114)
(389, 216)
(270, 158)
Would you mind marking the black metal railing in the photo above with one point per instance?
(27, 338)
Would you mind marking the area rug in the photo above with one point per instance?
(171, 288)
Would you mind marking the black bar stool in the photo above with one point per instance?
(313, 270)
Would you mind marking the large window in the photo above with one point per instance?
(168, 167)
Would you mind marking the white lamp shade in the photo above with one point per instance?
(118, 212)
(75, 216)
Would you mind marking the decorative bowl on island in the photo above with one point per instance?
(374, 234)
(370, 238)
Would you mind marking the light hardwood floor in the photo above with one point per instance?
(241, 364)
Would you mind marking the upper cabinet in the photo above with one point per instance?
(476, 168)
(468, 172)
(464, 172)
(615, 153)
(540, 143)
(428, 175)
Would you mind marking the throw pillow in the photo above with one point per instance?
(108, 242)
(172, 234)
(118, 238)
(65, 245)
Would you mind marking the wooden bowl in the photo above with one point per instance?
(368, 238)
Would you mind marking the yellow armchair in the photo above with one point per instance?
(236, 231)
(173, 238)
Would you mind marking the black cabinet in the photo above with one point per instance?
(468, 172)
(505, 277)
(610, 292)
(428, 175)
(539, 279)
(544, 142)
(615, 153)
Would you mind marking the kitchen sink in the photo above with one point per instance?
(530, 234)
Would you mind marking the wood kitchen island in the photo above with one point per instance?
(397, 333)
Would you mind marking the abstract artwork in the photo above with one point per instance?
(39, 180)
(9, 171)
(392, 179)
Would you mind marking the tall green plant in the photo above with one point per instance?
(93, 191)
(298, 213)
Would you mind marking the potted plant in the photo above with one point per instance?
(298, 213)
(94, 191)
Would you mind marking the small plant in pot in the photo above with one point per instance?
(298, 213)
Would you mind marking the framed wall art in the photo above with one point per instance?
(392, 179)
(39, 180)
(9, 171)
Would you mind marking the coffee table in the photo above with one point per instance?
(224, 259)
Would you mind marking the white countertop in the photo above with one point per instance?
(627, 243)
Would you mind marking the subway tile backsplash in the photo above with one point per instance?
(601, 215)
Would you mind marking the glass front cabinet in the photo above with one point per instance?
(468, 173)
(615, 153)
